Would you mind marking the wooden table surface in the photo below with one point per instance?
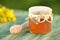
(25, 34)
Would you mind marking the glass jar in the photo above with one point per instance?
(40, 19)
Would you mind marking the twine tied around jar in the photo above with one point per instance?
(41, 17)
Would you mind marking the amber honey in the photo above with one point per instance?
(40, 28)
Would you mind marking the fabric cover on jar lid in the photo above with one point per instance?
(41, 9)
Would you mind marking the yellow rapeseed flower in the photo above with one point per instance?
(0, 19)
(10, 13)
(14, 19)
(2, 12)
(4, 19)
(4, 8)
(6, 14)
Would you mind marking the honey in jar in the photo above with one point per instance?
(40, 19)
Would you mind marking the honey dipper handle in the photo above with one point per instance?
(25, 25)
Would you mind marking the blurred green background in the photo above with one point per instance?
(25, 4)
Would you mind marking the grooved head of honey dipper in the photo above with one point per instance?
(15, 29)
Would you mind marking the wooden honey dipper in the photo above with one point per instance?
(15, 29)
